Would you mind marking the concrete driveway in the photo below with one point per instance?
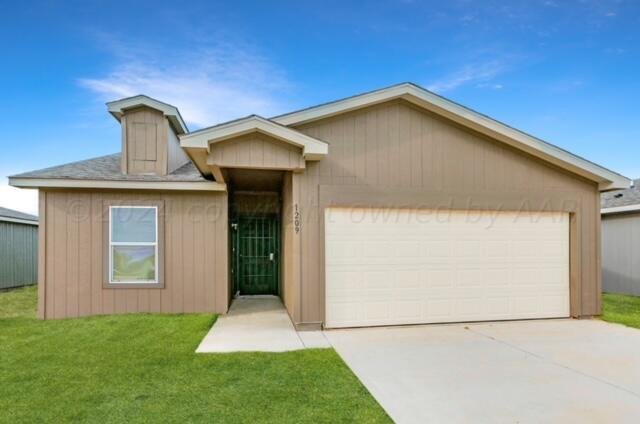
(528, 371)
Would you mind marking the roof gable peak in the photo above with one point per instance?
(117, 108)
(469, 118)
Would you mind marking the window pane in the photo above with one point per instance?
(133, 225)
(134, 263)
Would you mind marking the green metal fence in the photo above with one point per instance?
(18, 254)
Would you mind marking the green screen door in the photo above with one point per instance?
(257, 248)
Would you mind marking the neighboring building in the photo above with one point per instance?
(621, 240)
(396, 206)
(18, 249)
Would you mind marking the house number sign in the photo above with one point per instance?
(296, 219)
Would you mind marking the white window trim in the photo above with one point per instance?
(111, 244)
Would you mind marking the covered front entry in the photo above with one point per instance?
(256, 250)
(258, 161)
(255, 214)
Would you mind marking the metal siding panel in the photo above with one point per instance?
(18, 255)
(620, 252)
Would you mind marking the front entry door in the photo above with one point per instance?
(257, 248)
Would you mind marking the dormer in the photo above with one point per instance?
(150, 130)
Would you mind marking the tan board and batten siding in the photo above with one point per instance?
(390, 155)
(151, 146)
(258, 151)
(396, 155)
(72, 246)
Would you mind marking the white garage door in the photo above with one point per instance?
(410, 266)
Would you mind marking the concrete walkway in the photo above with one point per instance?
(551, 371)
(258, 324)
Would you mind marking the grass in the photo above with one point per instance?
(142, 368)
(622, 309)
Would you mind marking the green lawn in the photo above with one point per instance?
(142, 368)
(622, 309)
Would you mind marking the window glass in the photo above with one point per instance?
(134, 263)
(133, 246)
(136, 225)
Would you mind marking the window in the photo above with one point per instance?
(133, 245)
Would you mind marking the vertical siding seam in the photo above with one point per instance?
(43, 278)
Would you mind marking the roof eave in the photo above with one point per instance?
(36, 183)
(606, 179)
(18, 220)
(620, 209)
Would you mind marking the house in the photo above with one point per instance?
(396, 206)
(621, 240)
(18, 249)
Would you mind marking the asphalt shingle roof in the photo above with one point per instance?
(626, 197)
(10, 213)
(108, 168)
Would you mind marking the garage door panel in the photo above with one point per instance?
(470, 267)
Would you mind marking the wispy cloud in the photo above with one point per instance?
(478, 73)
(212, 83)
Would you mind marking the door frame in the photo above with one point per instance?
(235, 229)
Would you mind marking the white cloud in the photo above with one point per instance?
(474, 73)
(208, 85)
(18, 199)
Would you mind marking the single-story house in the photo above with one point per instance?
(621, 240)
(18, 249)
(395, 206)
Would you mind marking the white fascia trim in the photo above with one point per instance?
(620, 209)
(117, 108)
(606, 179)
(18, 220)
(124, 185)
(312, 148)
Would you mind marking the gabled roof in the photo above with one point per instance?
(10, 215)
(106, 172)
(617, 201)
(117, 108)
(606, 179)
(312, 148)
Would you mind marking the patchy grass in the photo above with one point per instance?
(142, 368)
(19, 303)
(621, 308)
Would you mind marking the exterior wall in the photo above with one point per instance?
(73, 244)
(396, 155)
(176, 156)
(258, 151)
(290, 290)
(144, 142)
(621, 253)
(18, 254)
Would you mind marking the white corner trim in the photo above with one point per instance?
(620, 209)
(117, 108)
(18, 220)
(606, 179)
(124, 185)
(312, 148)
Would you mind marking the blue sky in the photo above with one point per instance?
(565, 71)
